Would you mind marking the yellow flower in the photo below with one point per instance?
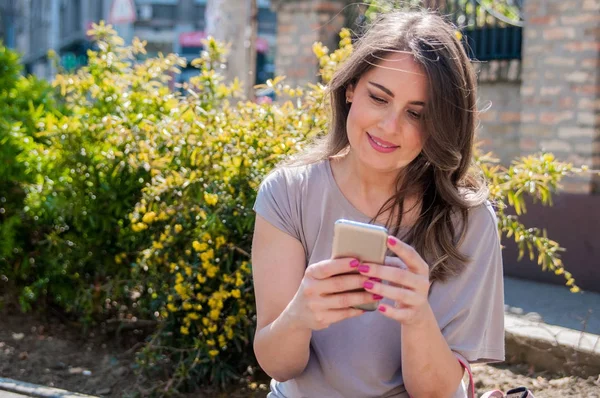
(206, 237)
(236, 293)
(211, 199)
(210, 342)
(199, 247)
(201, 278)
(213, 353)
(188, 271)
(149, 217)
(208, 255)
(139, 227)
(458, 35)
(214, 314)
(193, 316)
(178, 228)
(157, 245)
(171, 307)
(179, 278)
(212, 328)
(187, 306)
(162, 216)
(220, 241)
(184, 330)
(212, 272)
(205, 321)
(575, 289)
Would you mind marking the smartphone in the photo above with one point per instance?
(365, 242)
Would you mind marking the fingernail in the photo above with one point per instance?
(392, 241)
(374, 279)
(368, 285)
(381, 308)
(377, 297)
(354, 263)
(364, 268)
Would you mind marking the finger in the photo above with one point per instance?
(341, 283)
(395, 275)
(346, 300)
(327, 268)
(399, 314)
(398, 294)
(345, 313)
(394, 261)
(409, 255)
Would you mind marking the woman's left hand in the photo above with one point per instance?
(408, 277)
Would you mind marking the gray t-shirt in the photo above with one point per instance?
(360, 357)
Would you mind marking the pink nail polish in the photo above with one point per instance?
(392, 241)
(368, 285)
(364, 268)
(381, 308)
(377, 297)
(354, 263)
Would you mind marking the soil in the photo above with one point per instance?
(46, 351)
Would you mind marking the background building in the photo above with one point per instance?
(35, 26)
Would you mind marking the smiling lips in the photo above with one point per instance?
(381, 145)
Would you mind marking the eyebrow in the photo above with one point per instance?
(388, 92)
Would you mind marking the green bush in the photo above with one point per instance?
(146, 194)
(23, 102)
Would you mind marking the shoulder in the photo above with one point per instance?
(294, 176)
(482, 217)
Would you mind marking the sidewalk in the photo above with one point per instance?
(551, 328)
(552, 304)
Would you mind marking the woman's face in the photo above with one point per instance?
(384, 124)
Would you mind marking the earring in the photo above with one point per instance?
(348, 101)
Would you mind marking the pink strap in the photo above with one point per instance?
(471, 391)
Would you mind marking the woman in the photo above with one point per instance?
(399, 154)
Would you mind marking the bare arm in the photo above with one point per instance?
(292, 300)
(281, 346)
(429, 367)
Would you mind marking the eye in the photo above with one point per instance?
(377, 99)
(414, 115)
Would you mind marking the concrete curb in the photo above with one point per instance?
(33, 390)
(553, 348)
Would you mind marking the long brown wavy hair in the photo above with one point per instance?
(442, 175)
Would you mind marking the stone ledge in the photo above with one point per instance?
(34, 390)
(553, 348)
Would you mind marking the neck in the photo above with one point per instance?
(368, 182)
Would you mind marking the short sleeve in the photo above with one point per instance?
(470, 307)
(277, 202)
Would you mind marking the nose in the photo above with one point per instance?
(390, 122)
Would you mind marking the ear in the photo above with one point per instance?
(350, 92)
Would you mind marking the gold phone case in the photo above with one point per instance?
(362, 241)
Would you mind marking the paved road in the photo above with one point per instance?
(554, 304)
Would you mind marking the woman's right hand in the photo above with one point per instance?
(325, 294)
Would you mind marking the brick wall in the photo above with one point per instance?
(300, 23)
(499, 101)
(561, 83)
